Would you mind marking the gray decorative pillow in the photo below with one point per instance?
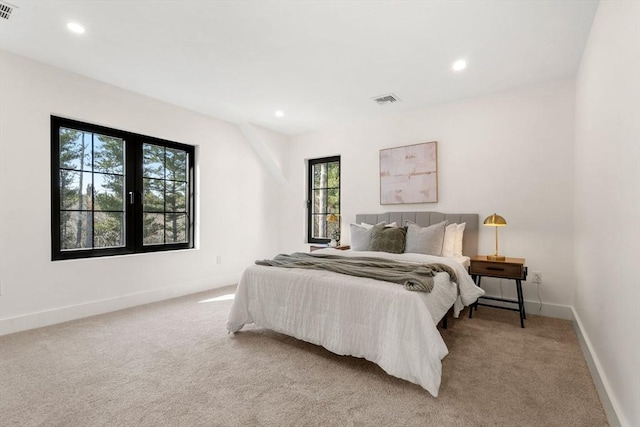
(360, 237)
(388, 239)
(425, 240)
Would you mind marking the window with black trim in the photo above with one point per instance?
(116, 192)
(323, 203)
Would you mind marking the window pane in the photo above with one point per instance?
(108, 154)
(176, 228)
(75, 149)
(153, 233)
(176, 196)
(75, 230)
(109, 229)
(153, 161)
(323, 229)
(333, 230)
(153, 195)
(317, 227)
(69, 189)
(333, 201)
(108, 192)
(176, 162)
(319, 201)
(75, 190)
(320, 175)
(314, 226)
(70, 140)
(333, 175)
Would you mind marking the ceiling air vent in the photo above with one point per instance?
(386, 99)
(5, 10)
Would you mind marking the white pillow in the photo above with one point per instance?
(360, 237)
(450, 234)
(457, 247)
(425, 240)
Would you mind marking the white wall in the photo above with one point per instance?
(511, 153)
(607, 202)
(237, 203)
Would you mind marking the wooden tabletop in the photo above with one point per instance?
(507, 260)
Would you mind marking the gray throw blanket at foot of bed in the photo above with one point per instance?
(414, 277)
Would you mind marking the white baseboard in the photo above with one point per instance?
(609, 403)
(546, 309)
(65, 314)
(549, 310)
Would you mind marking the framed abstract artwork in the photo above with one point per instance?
(409, 174)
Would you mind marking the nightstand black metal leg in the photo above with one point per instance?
(474, 306)
(520, 302)
(524, 311)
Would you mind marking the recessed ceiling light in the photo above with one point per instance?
(279, 113)
(75, 27)
(459, 65)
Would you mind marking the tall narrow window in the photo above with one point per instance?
(115, 192)
(323, 202)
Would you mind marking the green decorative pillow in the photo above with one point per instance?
(388, 239)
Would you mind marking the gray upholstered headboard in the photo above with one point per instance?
(424, 219)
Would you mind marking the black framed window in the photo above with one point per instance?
(323, 203)
(116, 192)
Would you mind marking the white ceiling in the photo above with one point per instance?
(320, 62)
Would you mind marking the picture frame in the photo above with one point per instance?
(409, 174)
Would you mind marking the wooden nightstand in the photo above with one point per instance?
(318, 247)
(510, 268)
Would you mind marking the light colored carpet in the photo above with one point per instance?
(173, 364)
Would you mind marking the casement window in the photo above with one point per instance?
(116, 192)
(323, 202)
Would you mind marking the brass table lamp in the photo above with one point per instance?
(496, 221)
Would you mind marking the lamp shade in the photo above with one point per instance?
(495, 220)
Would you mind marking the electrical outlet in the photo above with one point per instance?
(536, 277)
(219, 259)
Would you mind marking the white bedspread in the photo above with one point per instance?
(379, 321)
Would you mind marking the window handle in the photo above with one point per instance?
(132, 197)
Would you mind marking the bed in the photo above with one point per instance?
(362, 317)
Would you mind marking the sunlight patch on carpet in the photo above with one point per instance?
(220, 298)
